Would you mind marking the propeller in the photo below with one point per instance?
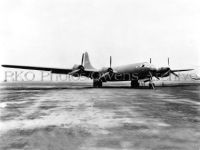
(110, 61)
(165, 71)
(168, 61)
(80, 68)
(74, 72)
(82, 59)
(110, 68)
(168, 70)
(151, 77)
(171, 71)
(152, 71)
(108, 72)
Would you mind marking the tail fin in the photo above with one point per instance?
(87, 63)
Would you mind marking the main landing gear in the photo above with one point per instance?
(135, 84)
(97, 83)
(151, 85)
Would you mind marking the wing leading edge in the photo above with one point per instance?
(53, 70)
(90, 73)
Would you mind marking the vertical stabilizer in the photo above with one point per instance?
(87, 63)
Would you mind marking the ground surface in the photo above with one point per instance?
(70, 116)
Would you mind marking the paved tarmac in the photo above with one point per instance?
(75, 116)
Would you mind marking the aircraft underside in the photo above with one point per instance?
(133, 83)
(133, 78)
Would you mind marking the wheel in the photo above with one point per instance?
(135, 84)
(100, 84)
(97, 83)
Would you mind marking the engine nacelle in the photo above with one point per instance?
(77, 70)
(106, 69)
(163, 71)
(75, 67)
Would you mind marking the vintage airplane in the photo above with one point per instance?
(133, 72)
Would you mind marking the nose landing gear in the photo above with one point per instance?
(151, 85)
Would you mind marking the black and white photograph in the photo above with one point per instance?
(99, 75)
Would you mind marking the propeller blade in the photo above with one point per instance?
(74, 72)
(82, 59)
(150, 80)
(157, 77)
(165, 73)
(104, 75)
(110, 61)
(180, 70)
(153, 86)
(174, 74)
(168, 61)
(147, 80)
(150, 75)
(150, 60)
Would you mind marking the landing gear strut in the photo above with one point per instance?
(151, 85)
(135, 84)
(97, 83)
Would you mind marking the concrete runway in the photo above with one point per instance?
(75, 116)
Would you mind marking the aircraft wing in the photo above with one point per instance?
(180, 70)
(53, 70)
(91, 73)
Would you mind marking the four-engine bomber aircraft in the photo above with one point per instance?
(133, 72)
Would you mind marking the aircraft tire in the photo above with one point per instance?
(135, 84)
(97, 83)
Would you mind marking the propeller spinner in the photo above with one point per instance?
(167, 71)
(108, 72)
(79, 68)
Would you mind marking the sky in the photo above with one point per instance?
(55, 33)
